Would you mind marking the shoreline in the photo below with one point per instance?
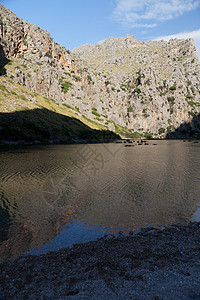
(152, 264)
(94, 141)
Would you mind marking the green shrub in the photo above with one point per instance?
(94, 112)
(169, 128)
(89, 79)
(172, 88)
(188, 96)
(171, 100)
(68, 106)
(77, 78)
(123, 87)
(192, 90)
(161, 130)
(148, 135)
(22, 97)
(66, 85)
(77, 109)
(107, 82)
(191, 113)
(135, 135)
(130, 109)
(137, 90)
(4, 42)
(3, 88)
(192, 103)
(147, 82)
(146, 115)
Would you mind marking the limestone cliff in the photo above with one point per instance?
(123, 84)
(145, 86)
(37, 61)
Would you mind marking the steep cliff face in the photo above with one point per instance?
(37, 61)
(124, 84)
(145, 86)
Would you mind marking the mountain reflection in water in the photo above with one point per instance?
(48, 194)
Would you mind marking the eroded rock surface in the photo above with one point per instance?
(146, 87)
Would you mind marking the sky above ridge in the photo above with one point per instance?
(76, 22)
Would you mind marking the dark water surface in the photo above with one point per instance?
(54, 196)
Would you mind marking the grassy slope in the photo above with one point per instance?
(15, 98)
(39, 116)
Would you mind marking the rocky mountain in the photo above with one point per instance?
(37, 82)
(144, 86)
(131, 87)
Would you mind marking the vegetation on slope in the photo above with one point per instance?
(29, 117)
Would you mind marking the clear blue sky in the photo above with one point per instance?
(76, 22)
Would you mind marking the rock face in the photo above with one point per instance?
(37, 61)
(145, 87)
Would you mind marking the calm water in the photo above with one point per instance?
(54, 196)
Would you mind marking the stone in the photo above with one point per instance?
(150, 87)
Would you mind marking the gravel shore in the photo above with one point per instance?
(152, 264)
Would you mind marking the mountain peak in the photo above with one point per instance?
(123, 84)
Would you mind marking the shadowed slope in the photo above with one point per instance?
(187, 129)
(46, 126)
(3, 61)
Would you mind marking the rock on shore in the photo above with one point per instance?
(153, 264)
